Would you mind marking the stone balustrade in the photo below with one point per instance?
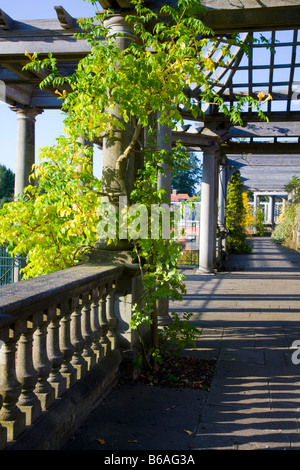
(59, 351)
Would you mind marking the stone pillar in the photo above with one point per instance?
(222, 195)
(113, 147)
(25, 157)
(117, 184)
(284, 204)
(271, 210)
(222, 190)
(164, 141)
(255, 203)
(208, 212)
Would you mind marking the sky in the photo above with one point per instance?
(49, 124)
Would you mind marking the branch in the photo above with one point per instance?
(130, 147)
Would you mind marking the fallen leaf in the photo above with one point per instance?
(188, 432)
(132, 441)
(101, 441)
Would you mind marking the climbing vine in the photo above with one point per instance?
(56, 222)
(236, 216)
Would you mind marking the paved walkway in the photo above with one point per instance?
(250, 319)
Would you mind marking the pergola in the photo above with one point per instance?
(267, 153)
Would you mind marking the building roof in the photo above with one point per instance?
(179, 197)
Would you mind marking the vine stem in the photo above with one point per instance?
(130, 147)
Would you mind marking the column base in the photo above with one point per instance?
(59, 385)
(70, 377)
(15, 427)
(163, 315)
(46, 399)
(202, 270)
(32, 412)
(90, 359)
(81, 367)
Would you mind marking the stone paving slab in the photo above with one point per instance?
(226, 437)
(142, 418)
(249, 321)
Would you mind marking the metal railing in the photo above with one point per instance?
(9, 267)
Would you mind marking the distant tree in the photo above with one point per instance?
(186, 179)
(7, 183)
(293, 188)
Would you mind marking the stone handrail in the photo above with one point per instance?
(55, 330)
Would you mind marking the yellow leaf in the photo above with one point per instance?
(269, 97)
(28, 55)
(101, 441)
(260, 96)
(188, 432)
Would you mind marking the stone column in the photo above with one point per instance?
(255, 203)
(222, 195)
(221, 183)
(25, 157)
(208, 212)
(271, 210)
(118, 184)
(113, 147)
(164, 141)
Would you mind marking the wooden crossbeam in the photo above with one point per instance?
(264, 129)
(260, 148)
(113, 4)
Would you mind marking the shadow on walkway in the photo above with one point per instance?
(249, 319)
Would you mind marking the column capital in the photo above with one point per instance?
(213, 147)
(118, 24)
(26, 112)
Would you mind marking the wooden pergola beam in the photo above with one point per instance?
(260, 148)
(224, 16)
(264, 19)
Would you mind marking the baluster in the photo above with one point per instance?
(95, 324)
(11, 417)
(27, 375)
(44, 391)
(66, 370)
(77, 361)
(105, 343)
(87, 333)
(57, 381)
(111, 318)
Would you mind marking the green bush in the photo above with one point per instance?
(235, 216)
(283, 231)
(259, 222)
